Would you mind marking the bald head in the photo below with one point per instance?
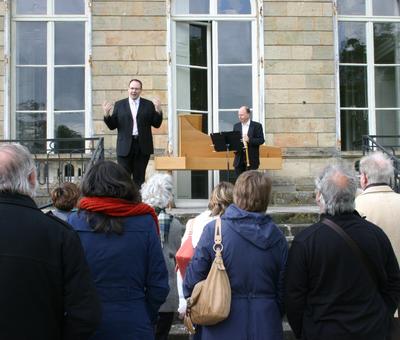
(336, 189)
(17, 170)
(244, 114)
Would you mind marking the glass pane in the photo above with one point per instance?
(388, 123)
(234, 7)
(191, 89)
(32, 126)
(69, 125)
(352, 42)
(69, 88)
(387, 43)
(191, 44)
(31, 43)
(227, 119)
(351, 7)
(385, 7)
(70, 7)
(353, 125)
(31, 7)
(387, 86)
(192, 6)
(31, 88)
(231, 35)
(353, 86)
(198, 45)
(199, 184)
(69, 43)
(235, 87)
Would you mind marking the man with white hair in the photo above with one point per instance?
(378, 202)
(46, 291)
(330, 293)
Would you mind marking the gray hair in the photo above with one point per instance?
(157, 191)
(16, 165)
(378, 167)
(337, 187)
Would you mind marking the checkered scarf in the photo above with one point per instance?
(164, 220)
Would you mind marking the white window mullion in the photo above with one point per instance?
(254, 71)
(371, 78)
(50, 80)
(215, 73)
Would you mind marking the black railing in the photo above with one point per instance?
(389, 145)
(62, 159)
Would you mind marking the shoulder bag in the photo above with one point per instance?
(210, 301)
(394, 332)
(185, 252)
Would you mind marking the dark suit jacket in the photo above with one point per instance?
(256, 138)
(121, 119)
(46, 289)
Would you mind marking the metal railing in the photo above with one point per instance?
(389, 145)
(61, 160)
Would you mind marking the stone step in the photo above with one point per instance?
(178, 332)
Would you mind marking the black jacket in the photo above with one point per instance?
(256, 138)
(329, 292)
(46, 292)
(121, 119)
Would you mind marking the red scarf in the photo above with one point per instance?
(117, 207)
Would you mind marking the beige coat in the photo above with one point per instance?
(381, 206)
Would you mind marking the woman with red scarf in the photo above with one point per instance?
(120, 237)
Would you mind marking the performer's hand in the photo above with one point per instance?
(107, 106)
(245, 139)
(157, 104)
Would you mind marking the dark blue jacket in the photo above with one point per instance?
(254, 253)
(130, 276)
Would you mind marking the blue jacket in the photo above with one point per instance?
(255, 254)
(130, 276)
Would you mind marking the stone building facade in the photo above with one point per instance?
(304, 67)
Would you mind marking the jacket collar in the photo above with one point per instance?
(377, 188)
(17, 199)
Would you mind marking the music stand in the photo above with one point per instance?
(227, 141)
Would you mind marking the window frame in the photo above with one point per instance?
(11, 19)
(369, 20)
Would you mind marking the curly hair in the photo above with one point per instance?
(65, 196)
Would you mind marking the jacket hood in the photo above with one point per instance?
(257, 228)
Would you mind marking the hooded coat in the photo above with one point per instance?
(254, 254)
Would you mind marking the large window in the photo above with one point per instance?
(369, 70)
(216, 70)
(48, 71)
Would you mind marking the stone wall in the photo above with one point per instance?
(129, 41)
(300, 90)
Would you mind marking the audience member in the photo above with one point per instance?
(46, 290)
(254, 254)
(157, 192)
(378, 202)
(221, 197)
(330, 294)
(119, 236)
(64, 198)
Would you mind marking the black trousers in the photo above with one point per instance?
(164, 323)
(135, 162)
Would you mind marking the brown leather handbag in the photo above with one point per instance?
(210, 302)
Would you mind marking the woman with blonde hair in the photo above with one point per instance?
(221, 197)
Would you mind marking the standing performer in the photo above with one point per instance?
(133, 117)
(253, 137)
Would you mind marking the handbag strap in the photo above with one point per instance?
(218, 237)
(354, 247)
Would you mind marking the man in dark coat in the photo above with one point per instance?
(46, 291)
(253, 137)
(330, 293)
(133, 117)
